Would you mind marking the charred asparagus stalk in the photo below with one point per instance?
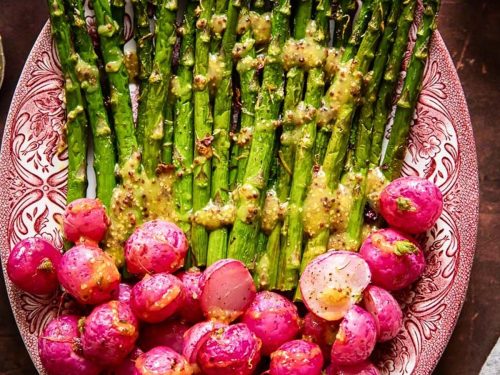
(203, 129)
(151, 111)
(76, 121)
(88, 74)
(250, 194)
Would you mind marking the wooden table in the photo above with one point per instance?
(471, 30)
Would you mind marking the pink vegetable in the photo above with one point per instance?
(227, 289)
(168, 333)
(123, 293)
(60, 349)
(356, 337)
(385, 310)
(88, 274)
(32, 266)
(273, 318)
(320, 331)
(395, 259)
(411, 204)
(157, 297)
(231, 350)
(195, 336)
(298, 357)
(363, 368)
(156, 246)
(127, 367)
(162, 361)
(109, 333)
(85, 219)
(333, 282)
(191, 308)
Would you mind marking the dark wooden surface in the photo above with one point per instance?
(471, 30)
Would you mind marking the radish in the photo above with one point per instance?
(157, 297)
(109, 333)
(362, 368)
(320, 331)
(60, 350)
(395, 259)
(411, 204)
(195, 336)
(273, 318)
(298, 357)
(88, 274)
(168, 333)
(333, 282)
(386, 311)
(230, 350)
(123, 293)
(32, 266)
(156, 246)
(191, 308)
(85, 219)
(127, 367)
(356, 337)
(162, 361)
(227, 289)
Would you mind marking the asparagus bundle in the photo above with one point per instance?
(87, 72)
(76, 121)
(250, 194)
(344, 98)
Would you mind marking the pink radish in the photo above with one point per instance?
(395, 259)
(156, 246)
(123, 292)
(362, 368)
(333, 282)
(157, 297)
(191, 308)
(298, 357)
(109, 333)
(168, 333)
(227, 289)
(162, 361)
(230, 350)
(85, 219)
(386, 311)
(320, 331)
(127, 367)
(88, 274)
(60, 349)
(356, 337)
(195, 336)
(273, 318)
(32, 266)
(411, 204)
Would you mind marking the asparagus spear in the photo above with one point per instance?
(217, 242)
(407, 102)
(292, 245)
(118, 80)
(349, 52)
(347, 99)
(203, 130)
(357, 176)
(183, 123)
(88, 74)
(144, 39)
(118, 13)
(245, 229)
(167, 150)
(151, 110)
(76, 121)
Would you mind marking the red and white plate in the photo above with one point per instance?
(33, 181)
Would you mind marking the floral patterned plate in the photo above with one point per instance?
(32, 195)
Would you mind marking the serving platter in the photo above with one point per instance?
(32, 196)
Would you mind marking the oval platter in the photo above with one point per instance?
(32, 196)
